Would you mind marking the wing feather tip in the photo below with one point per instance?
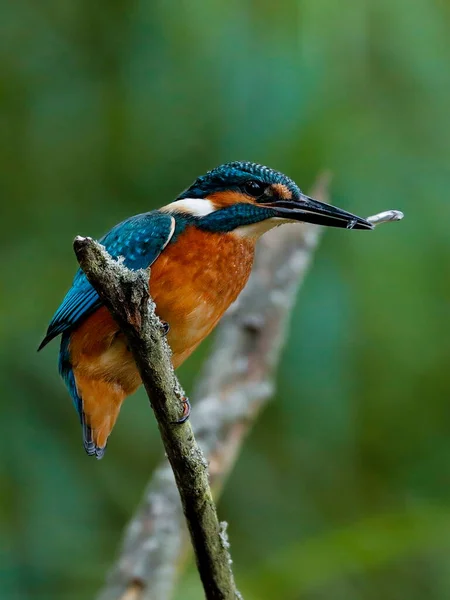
(48, 338)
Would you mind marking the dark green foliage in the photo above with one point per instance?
(109, 109)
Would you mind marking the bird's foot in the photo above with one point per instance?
(165, 327)
(186, 411)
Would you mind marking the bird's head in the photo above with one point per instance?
(240, 195)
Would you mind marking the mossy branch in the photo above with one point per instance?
(126, 295)
(236, 383)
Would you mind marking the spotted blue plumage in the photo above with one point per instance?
(139, 240)
(232, 175)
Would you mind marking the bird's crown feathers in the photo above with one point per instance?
(235, 174)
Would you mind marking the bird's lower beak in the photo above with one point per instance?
(309, 210)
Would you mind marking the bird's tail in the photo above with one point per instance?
(101, 401)
(96, 401)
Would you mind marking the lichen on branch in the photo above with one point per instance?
(125, 293)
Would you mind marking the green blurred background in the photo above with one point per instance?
(110, 108)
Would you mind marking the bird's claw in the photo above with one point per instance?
(165, 327)
(186, 412)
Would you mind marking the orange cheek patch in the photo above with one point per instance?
(229, 197)
(282, 191)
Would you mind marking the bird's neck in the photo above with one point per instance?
(245, 220)
(236, 216)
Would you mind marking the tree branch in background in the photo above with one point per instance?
(126, 295)
(237, 381)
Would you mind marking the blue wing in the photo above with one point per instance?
(140, 240)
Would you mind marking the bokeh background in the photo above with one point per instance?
(110, 108)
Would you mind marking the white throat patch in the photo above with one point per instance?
(255, 230)
(198, 207)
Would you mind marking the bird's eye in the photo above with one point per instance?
(254, 189)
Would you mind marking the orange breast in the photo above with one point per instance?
(194, 281)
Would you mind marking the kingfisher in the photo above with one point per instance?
(200, 248)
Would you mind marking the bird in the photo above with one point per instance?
(200, 248)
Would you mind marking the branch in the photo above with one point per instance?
(126, 295)
(236, 383)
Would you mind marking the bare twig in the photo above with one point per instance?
(236, 383)
(126, 295)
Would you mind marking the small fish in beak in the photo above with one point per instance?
(308, 210)
(388, 216)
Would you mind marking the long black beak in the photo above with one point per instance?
(309, 210)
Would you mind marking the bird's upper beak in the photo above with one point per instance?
(309, 210)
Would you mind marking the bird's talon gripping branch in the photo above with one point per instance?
(165, 327)
(186, 411)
